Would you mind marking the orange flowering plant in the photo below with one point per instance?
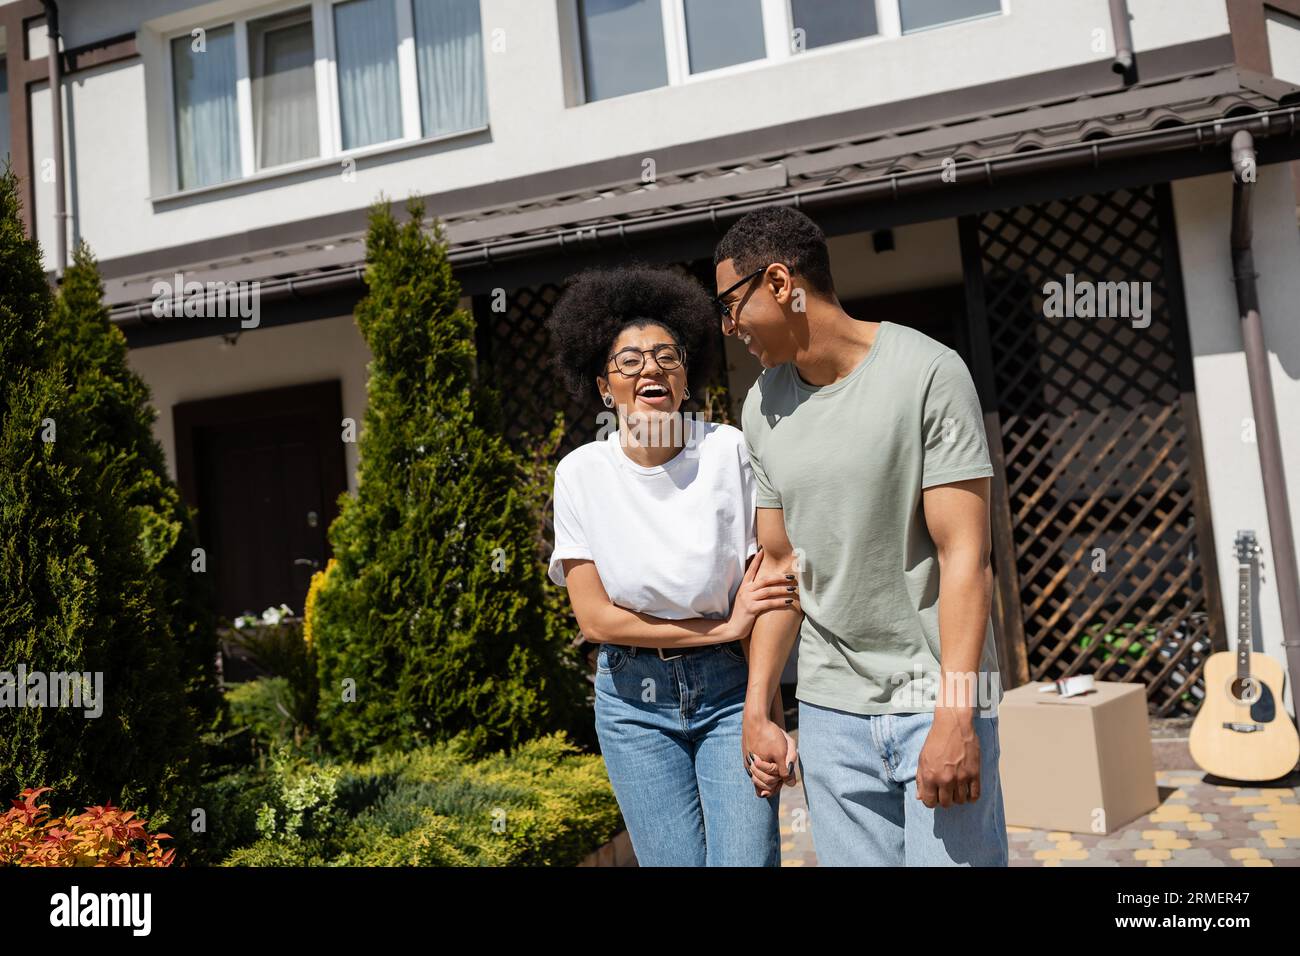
(101, 836)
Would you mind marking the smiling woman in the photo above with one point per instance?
(599, 306)
(655, 541)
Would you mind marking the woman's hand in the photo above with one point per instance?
(770, 592)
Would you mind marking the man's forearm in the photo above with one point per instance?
(770, 644)
(965, 595)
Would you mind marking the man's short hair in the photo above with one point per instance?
(779, 234)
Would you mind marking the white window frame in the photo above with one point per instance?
(329, 121)
(778, 30)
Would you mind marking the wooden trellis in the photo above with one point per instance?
(515, 351)
(1102, 538)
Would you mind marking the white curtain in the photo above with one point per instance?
(370, 104)
(207, 123)
(449, 57)
(284, 90)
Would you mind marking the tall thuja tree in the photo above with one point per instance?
(434, 610)
(112, 404)
(76, 592)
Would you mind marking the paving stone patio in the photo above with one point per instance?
(1198, 823)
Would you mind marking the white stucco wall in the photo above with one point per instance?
(117, 114)
(1203, 208)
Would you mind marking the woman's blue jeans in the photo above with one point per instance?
(670, 735)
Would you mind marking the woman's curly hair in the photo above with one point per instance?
(598, 304)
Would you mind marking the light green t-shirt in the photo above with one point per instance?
(847, 462)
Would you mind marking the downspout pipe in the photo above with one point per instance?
(1267, 434)
(1123, 35)
(56, 121)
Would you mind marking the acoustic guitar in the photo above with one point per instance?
(1242, 731)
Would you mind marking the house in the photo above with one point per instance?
(1046, 186)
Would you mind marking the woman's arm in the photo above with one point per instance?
(603, 621)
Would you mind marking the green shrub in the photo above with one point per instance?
(302, 804)
(78, 561)
(230, 804)
(263, 709)
(279, 649)
(435, 609)
(545, 804)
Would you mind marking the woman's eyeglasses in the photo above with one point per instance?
(631, 361)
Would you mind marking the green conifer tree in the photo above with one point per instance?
(435, 608)
(77, 594)
(113, 403)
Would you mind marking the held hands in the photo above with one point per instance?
(771, 592)
(770, 755)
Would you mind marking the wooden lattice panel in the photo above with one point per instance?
(515, 350)
(1096, 451)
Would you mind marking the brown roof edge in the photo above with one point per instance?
(1206, 138)
(1093, 77)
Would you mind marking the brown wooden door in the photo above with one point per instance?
(264, 472)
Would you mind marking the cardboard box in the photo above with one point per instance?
(1081, 764)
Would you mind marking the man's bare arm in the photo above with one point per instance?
(957, 517)
(770, 644)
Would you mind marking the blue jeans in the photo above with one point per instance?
(670, 735)
(859, 777)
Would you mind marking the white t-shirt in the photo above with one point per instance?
(669, 541)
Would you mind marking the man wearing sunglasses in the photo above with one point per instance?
(867, 445)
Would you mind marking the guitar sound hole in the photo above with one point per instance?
(1245, 689)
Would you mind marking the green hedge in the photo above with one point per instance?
(544, 804)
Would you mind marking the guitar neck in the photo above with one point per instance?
(1244, 624)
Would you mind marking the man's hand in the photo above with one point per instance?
(948, 770)
(769, 754)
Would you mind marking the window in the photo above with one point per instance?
(282, 60)
(370, 100)
(207, 122)
(321, 79)
(723, 33)
(622, 46)
(449, 58)
(833, 21)
(919, 14)
(626, 46)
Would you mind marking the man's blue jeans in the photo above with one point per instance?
(670, 735)
(859, 777)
